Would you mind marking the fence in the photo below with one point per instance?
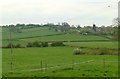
(57, 67)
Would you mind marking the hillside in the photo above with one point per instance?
(67, 37)
(26, 33)
(44, 34)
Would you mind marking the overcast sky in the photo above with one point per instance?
(82, 12)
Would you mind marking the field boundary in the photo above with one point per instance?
(68, 41)
(35, 36)
(53, 67)
(90, 47)
(58, 66)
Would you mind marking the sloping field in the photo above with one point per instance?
(67, 37)
(27, 63)
(113, 45)
(44, 34)
(14, 42)
(26, 33)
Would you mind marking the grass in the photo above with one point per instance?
(15, 42)
(94, 44)
(32, 32)
(25, 60)
(67, 37)
(30, 58)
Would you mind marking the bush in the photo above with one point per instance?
(57, 44)
(10, 45)
(44, 44)
(103, 52)
(29, 44)
(36, 44)
(106, 52)
(18, 46)
(76, 51)
(53, 44)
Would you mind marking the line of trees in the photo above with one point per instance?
(14, 46)
(36, 44)
(66, 28)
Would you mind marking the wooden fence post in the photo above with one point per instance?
(72, 65)
(46, 67)
(104, 63)
(41, 65)
(11, 68)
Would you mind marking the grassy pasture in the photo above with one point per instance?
(32, 32)
(113, 45)
(66, 37)
(15, 42)
(26, 60)
(60, 60)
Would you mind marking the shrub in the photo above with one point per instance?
(57, 44)
(29, 44)
(44, 44)
(76, 51)
(36, 44)
(10, 45)
(18, 46)
(104, 52)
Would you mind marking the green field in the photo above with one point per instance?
(26, 62)
(15, 42)
(40, 34)
(26, 33)
(59, 61)
(31, 32)
(67, 37)
(113, 44)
